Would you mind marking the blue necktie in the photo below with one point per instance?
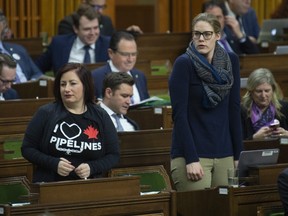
(117, 118)
(87, 58)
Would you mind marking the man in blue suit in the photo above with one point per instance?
(65, 25)
(123, 55)
(241, 25)
(228, 41)
(7, 77)
(26, 69)
(85, 46)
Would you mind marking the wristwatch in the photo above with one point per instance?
(242, 39)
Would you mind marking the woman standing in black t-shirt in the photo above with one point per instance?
(71, 138)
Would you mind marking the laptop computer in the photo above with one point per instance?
(272, 30)
(256, 157)
(283, 49)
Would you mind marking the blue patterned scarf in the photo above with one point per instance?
(217, 78)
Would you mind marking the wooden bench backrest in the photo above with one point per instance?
(278, 65)
(162, 46)
(35, 89)
(22, 107)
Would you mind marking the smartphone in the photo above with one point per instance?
(274, 125)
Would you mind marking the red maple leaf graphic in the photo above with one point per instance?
(91, 132)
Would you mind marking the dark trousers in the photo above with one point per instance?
(283, 189)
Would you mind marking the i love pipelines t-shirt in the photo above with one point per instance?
(76, 139)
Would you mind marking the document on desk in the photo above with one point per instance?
(146, 101)
(150, 192)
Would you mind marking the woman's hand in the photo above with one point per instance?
(83, 170)
(263, 133)
(64, 167)
(279, 131)
(194, 171)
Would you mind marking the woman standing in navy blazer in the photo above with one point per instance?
(204, 87)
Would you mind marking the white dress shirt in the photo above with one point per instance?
(77, 52)
(127, 126)
(1, 97)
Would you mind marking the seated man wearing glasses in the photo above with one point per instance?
(122, 52)
(7, 77)
(105, 23)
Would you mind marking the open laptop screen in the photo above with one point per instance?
(256, 157)
(272, 30)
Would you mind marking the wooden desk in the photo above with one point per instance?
(267, 174)
(270, 47)
(86, 190)
(13, 126)
(145, 148)
(227, 201)
(162, 204)
(16, 167)
(35, 89)
(105, 196)
(22, 107)
(152, 117)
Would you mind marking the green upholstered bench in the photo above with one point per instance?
(152, 178)
(14, 189)
(12, 149)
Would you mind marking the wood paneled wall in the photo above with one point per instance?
(150, 15)
(264, 8)
(182, 15)
(23, 16)
(27, 18)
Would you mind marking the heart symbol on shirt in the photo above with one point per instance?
(72, 129)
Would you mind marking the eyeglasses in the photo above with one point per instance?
(6, 82)
(99, 7)
(127, 54)
(206, 34)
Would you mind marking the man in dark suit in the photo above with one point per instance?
(229, 42)
(86, 45)
(241, 26)
(123, 55)
(7, 77)
(26, 69)
(105, 23)
(117, 93)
